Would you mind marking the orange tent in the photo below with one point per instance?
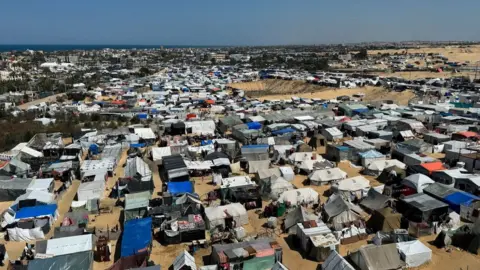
(468, 134)
(209, 101)
(433, 166)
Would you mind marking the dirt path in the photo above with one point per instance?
(38, 101)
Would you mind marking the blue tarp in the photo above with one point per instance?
(137, 236)
(36, 211)
(254, 125)
(180, 187)
(255, 146)
(371, 154)
(206, 142)
(93, 149)
(445, 114)
(142, 116)
(138, 145)
(283, 131)
(456, 199)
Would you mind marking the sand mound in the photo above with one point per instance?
(272, 86)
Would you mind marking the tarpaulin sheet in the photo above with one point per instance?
(75, 261)
(283, 131)
(137, 235)
(254, 125)
(138, 145)
(456, 199)
(36, 211)
(180, 187)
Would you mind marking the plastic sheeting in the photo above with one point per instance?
(137, 236)
(298, 196)
(25, 235)
(414, 253)
(180, 187)
(216, 215)
(76, 261)
(69, 245)
(36, 211)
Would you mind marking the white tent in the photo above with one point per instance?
(69, 245)
(417, 181)
(298, 196)
(201, 127)
(41, 184)
(216, 215)
(380, 165)
(159, 152)
(145, 133)
(39, 195)
(327, 176)
(90, 190)
(278, 186)
(184, 261)
(287, 173)
(414, 253)
(357, 186)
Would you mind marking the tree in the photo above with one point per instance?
(362, 55)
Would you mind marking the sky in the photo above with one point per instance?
(241, 22)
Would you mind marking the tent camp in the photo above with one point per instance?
(220, 215)
(414, 253)
(372, 257)
(299, 196)
(327, 176)
(417, 182)
(336, 262)
(340, 213)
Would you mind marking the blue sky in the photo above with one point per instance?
(243, 22)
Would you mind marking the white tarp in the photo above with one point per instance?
(216, 215)
(31, 152)
(298, 196)
(145, 133)
(327, 176)
(278, 186)
(380, 165)
(91, 190)
(287, 173)
(201, 127)
(25, 235)
(417, 181)
(336, 262)
(236, 181)
(353, 184)
(414, 253)
(199, 165)
(41, 184)
(159, 152)
(69, 245)
(39, 195)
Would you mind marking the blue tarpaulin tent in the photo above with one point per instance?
(254, 125)
(137, 236)
(251, 146)
(142, 116)
(456, 199)
(93, 149)
(180, 187)
(138, 145)
(283, 131)
(206, 142)
(36, 211)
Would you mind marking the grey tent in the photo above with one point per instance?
(336, 262)
(298, 215)
(340, 212)
(255, 166)
(385, 220)
(375, 200)
(75, 261)
(12, 189)
(372, 257)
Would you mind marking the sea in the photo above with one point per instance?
(63, 47)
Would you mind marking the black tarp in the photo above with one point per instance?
(466, 237)
(75, 261)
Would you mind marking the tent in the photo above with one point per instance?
(317, 141)
(180, 187)
(340, 212)
(74, 261)
(377, 166)
(336, 262)
(159, 152)
(327, 176)
(417, 182)
(356, 186)
(254, 125)
(278, 186)
(11, 189)
(385, 220)
(370, 156)
(299, 196)
(65, 245)
(40, 197)
(184, 261)
(287, 173)
(466, 237)
(255, 166)
(372, 257)
(375, 200)
(37, 211)
(414, 253)
(137, 236)
(297, 215)
(216, 216)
